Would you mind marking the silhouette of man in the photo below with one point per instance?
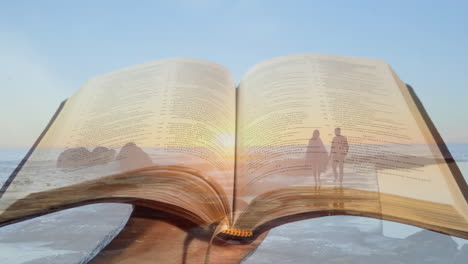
(339, 150)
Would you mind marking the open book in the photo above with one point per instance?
(300, 136)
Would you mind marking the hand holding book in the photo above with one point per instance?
(385, 159)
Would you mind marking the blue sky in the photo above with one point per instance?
(48, 49)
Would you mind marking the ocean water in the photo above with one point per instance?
(78, 234)
(71, 236)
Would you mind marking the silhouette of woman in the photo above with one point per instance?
(316, 156)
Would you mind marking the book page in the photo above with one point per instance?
(175, 112)
(335, 123)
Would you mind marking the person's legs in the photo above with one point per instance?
(335, 174)
(341, 171)
(340, 162)
(314, 172)
(318, 177)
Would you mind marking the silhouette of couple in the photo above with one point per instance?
(317, 157)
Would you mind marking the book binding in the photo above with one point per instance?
(235, 232)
